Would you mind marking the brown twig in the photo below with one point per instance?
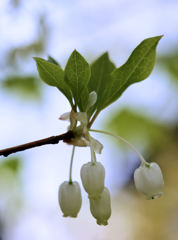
(50, 140)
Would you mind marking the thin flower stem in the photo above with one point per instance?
(93, 119)
(124, 140)
(71, 164)
(93, 156)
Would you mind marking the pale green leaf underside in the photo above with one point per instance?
(138, 67)
(77, 75)
(53, 75)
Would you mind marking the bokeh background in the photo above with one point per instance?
(146, 115)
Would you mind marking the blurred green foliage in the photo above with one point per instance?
(27, 87)
(140, 128)
(169, 63)
(13, 164)
(37, 46)
(9, 177)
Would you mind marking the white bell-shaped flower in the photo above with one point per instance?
(149, 180)
(101, 208)
(93, 175)
(70, 199)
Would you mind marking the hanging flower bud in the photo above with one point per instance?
(92, 99)
(70, 199)
(149, 180)
(101, 208)
(65, 116)
(92, 175)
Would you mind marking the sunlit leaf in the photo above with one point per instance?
(100, 78)
(138, 67)
(77, 75)
(83, 100)
(109, 82)
(52, 60)
(53, 75)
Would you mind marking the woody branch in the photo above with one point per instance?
(50, 140)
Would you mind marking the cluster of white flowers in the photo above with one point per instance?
(92, 176)
(148, 177)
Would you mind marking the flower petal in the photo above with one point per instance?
(96, 145)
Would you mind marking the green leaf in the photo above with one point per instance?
(77, 75)
(52, 60)
(138, 67)
(100, 78)
(53, 75)
(83, 101)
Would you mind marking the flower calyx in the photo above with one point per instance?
(82, 137)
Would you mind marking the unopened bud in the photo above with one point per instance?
(92, 99)
(101, 208)
(65, 116)
(93, 175)
(70, 199)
